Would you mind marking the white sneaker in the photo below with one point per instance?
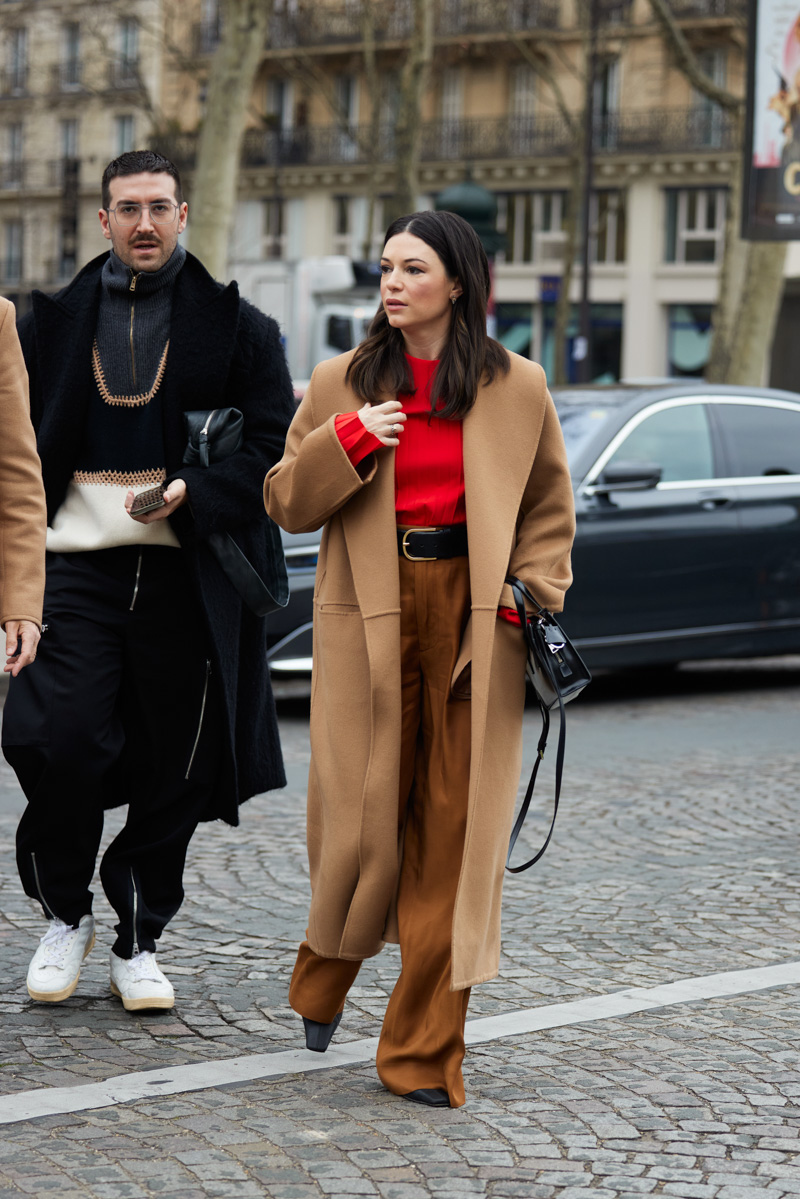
(56, 966)
(139, 982)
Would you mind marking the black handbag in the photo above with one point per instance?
(211, 437)
(557, 674)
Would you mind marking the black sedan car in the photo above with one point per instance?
(688, 540)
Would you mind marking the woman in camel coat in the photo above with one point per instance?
(23, 518)
(418, 687)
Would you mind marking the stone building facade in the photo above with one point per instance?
(84, 80)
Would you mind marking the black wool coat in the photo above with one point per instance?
(223, 353)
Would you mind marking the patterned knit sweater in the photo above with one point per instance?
(123, 443)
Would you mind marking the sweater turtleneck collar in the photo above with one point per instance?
(116, 276)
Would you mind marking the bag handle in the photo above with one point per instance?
(521, 593)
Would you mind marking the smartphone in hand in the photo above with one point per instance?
(147, 501)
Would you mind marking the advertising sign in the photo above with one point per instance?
(771, 197)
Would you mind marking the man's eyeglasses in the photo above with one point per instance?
(162, 212)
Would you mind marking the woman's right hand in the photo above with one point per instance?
(384, 421)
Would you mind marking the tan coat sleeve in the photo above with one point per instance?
(541, 556)
(23, 512)
(315, 477)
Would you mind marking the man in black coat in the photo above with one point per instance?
(151, 685)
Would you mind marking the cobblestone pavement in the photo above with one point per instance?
(675, 855)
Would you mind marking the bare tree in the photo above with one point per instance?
(408, 126)
(369, 12)
(540, 61)
(230, 83)
(751, 274)
(404, 128)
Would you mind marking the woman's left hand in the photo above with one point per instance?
(175, 495)
(25, 634)
(385, 421)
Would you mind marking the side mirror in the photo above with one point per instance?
(628, 476)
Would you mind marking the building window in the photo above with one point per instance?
(129, 41)
(515, 328)
(708, 118)
(695, 224)
(280, 104)
(347, 102)
(522, 108)
(66, 261)
(606, 104)
(522, 83)
(68, 138)
(12, 252)
(12, 172)
(342, 225)
(209, 30)
(689, 340)
(123, 134)
(451, 96)
(607, 223)
(17, 77)
(125, 67)
(533, 223)
(346, 94)
(274, 228)
(70, 66)
(605, 358)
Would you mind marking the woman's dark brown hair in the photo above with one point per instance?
(469, 356)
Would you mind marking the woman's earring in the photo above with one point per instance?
(453, 300)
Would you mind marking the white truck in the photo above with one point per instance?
(323, 305)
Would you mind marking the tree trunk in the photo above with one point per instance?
(750, 292)
(408, 125)
(756, 314)
(230, 85)
(576, 130)
(751, 274)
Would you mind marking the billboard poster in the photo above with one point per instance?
(771, 196)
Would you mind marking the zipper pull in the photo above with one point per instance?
(133, 282)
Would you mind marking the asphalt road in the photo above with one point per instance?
(674, 859)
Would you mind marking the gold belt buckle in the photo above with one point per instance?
(422, 529)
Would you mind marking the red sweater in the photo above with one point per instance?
(428, 462)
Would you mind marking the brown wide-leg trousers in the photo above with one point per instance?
(422, 1039)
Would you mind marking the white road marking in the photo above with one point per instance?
(177, 1080)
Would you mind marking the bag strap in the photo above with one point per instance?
(521, 593)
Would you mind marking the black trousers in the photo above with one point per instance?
(119, 704)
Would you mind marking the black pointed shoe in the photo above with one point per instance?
(318, 1036)
(433, 1097)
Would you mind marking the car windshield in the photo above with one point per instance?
(579, 425)
(583, 410)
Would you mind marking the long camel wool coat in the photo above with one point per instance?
(520, 518)
(23, 516)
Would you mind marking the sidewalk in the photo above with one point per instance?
(675, 858)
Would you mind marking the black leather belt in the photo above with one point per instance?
(424, 545)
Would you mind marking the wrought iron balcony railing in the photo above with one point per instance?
(667, 131)
(67, 76)
(40, 174)
(61, 270)
(700, 9)
(64, 173)
(13, 175)
(14, 82)
(310, 23)
(123, 75)
(313, 24)
(10, 271)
